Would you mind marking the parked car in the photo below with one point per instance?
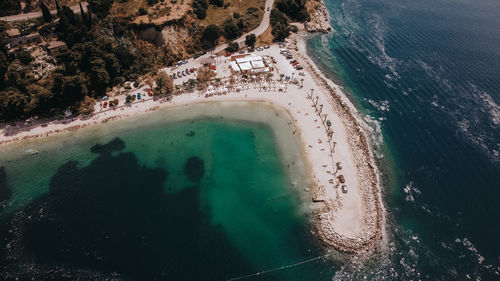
(268, 9)
(339, 166)
(302, 74)
(289, 57)
(105, 98)
(344, 188)
(105, 104)
(260, 49)
(241, 52)
(174, 76)
(267, 46)
(139, 96)
(299, 67)
(228, 54)
(341, 178)
(191, 69)
(293, 61)
(150, 93)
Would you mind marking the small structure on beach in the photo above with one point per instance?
(249, 64)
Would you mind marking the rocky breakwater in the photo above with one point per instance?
(371, 231)
(319, 17)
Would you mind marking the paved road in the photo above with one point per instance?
(264, 24)
(75, 8)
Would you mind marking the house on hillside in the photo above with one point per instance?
(52, 46)
(17, 40)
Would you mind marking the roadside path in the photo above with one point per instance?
(264, 24)
(75, 8)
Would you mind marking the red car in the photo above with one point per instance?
(341, 178)
(228, 54)
(295, 63)
(150, 93)
(105, 104)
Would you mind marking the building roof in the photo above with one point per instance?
(34, 34)
(55, 44)
(245, 66)
(258, 64)
(13, 32)
(234, 66)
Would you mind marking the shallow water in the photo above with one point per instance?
(197, 194)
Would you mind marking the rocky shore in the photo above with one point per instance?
(364, 160)
(319, 17)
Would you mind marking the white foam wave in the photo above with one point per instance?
(411, 192)
(381, 105)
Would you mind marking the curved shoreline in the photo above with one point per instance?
(365, 162)
(354, 150)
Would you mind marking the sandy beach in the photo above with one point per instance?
(351, 221)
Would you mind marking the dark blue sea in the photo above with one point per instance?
(425, 75)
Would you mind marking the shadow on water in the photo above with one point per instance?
(112, 220)
(5, 192)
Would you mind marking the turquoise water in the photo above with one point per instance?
(162, 197)
(425, 76)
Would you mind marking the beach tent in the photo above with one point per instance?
(257, 64)
(234, 66)
(245, 66)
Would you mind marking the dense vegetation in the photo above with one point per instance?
(9, 6)
(294, 9)
(200, 8)
(280, 28)
(100, 54)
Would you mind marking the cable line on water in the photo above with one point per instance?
(278, 268)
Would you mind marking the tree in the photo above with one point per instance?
(218, 3)
(204, 74)
(164, 83)
(82, 14)
(200, 8)
(232, 47)
(100, 7)
(12, 103)
(210, 36)
(58, 9)
(231, 30)
(250, 40)
(279, 25)
(295, 9)
(47, 17)
(86, 106)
